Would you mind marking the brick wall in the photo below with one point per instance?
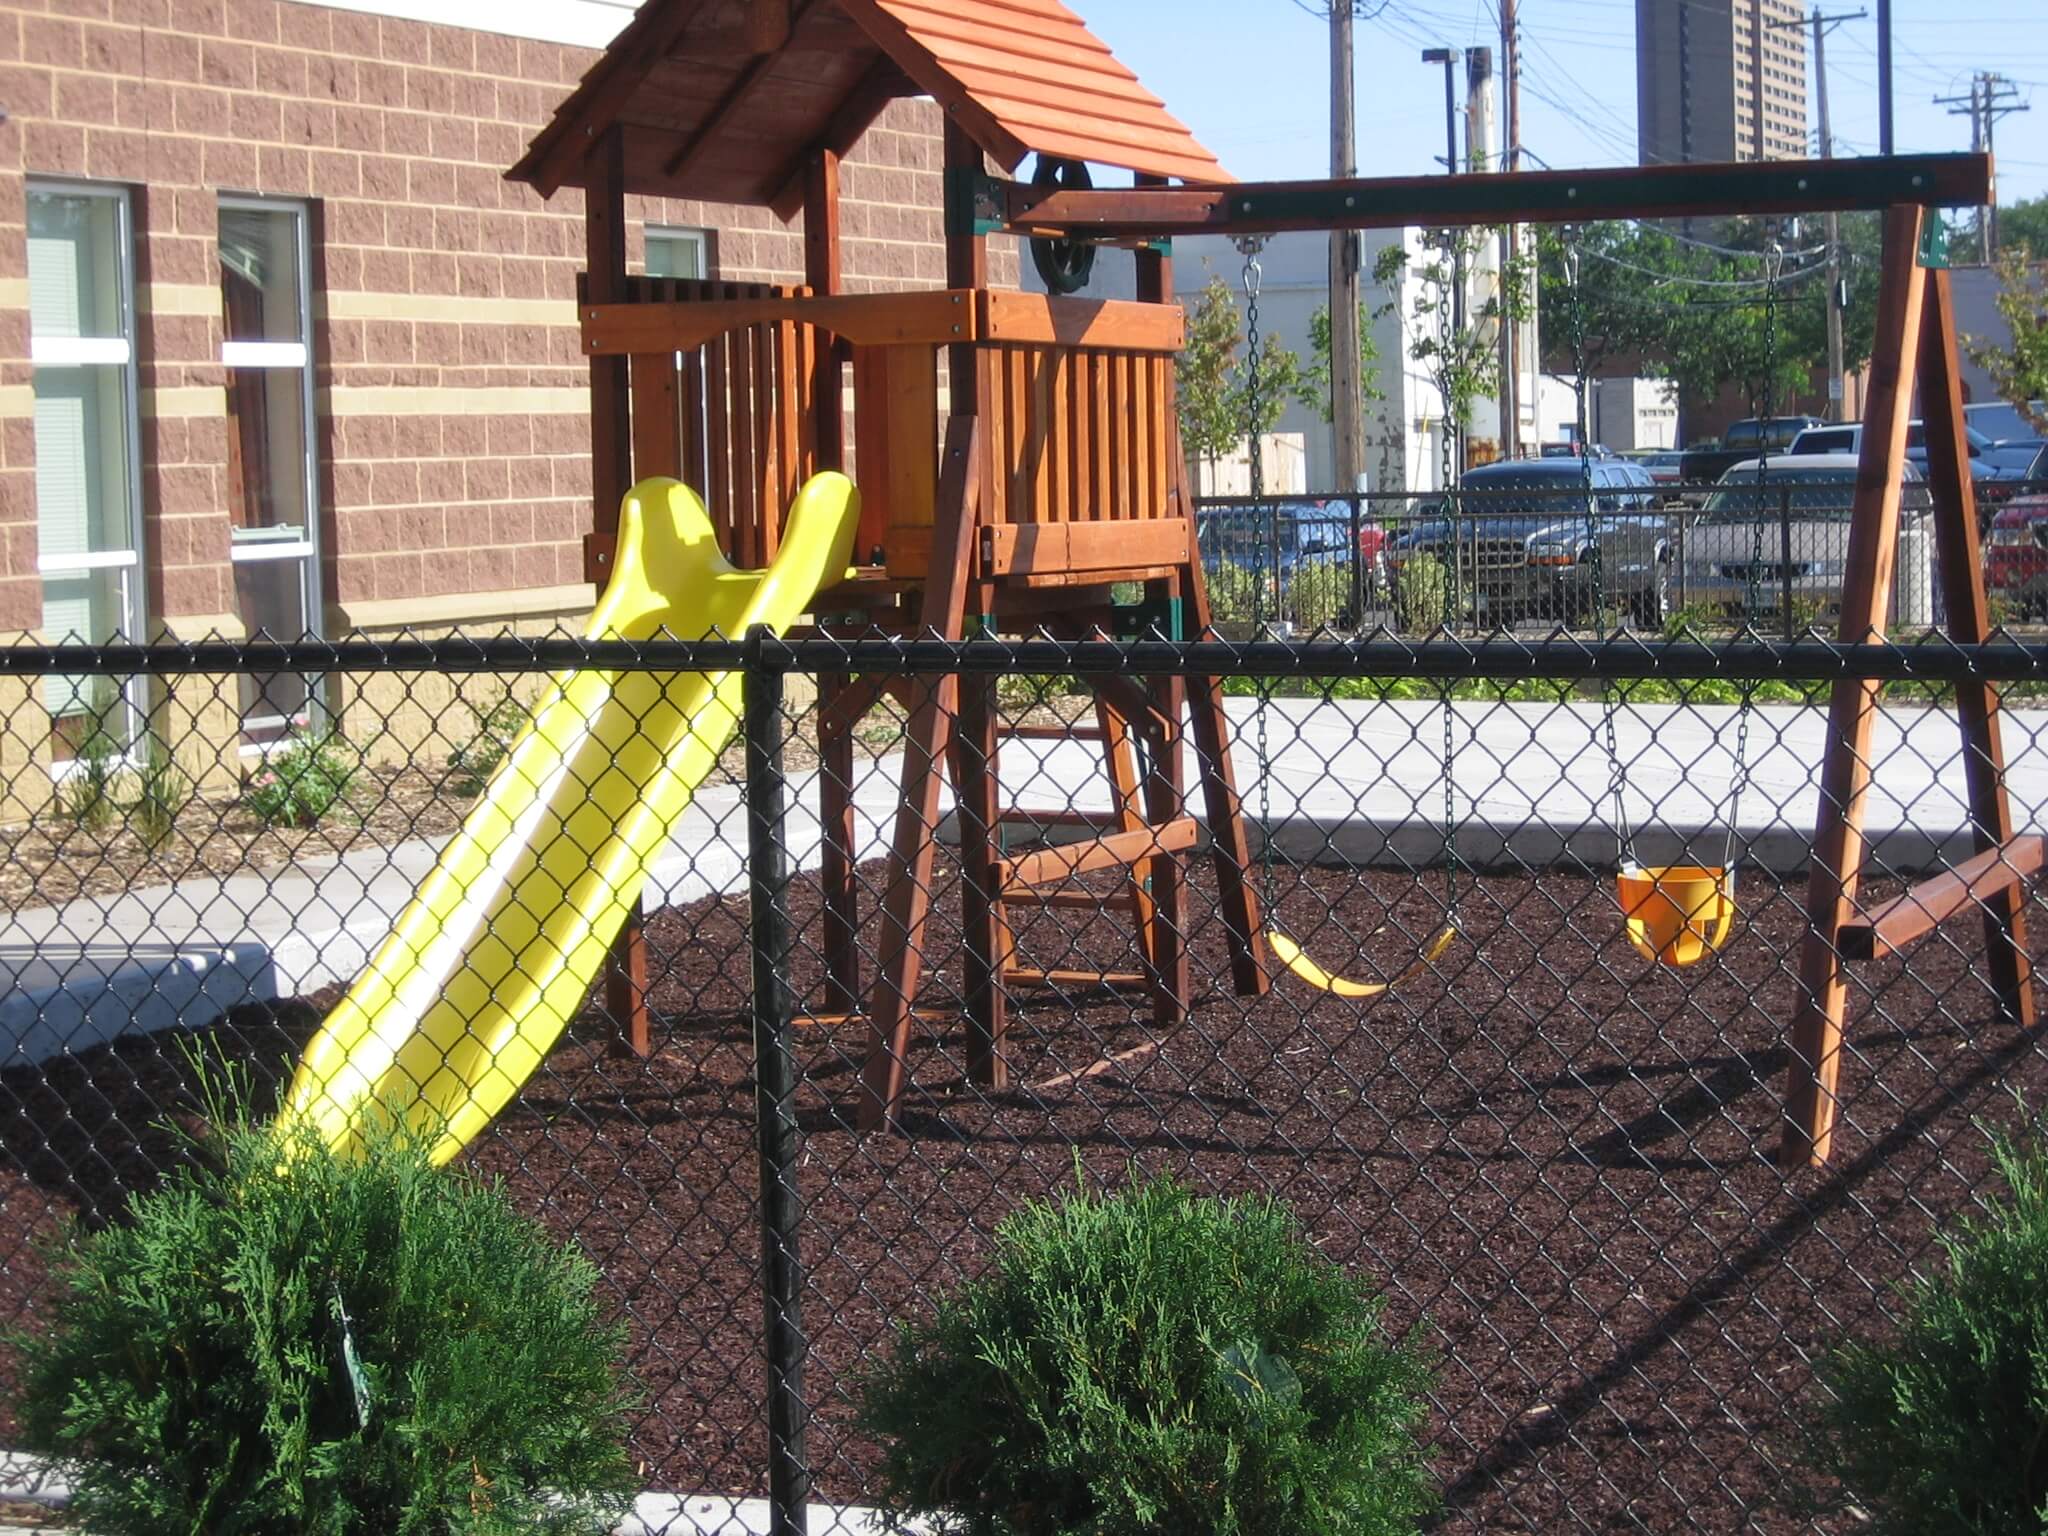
(452, 407)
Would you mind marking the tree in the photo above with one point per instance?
(2025, 223)
(2019, 369)
(1214, 390)
(1464, 362)
(1317, 374)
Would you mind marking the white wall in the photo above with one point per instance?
(586, 23)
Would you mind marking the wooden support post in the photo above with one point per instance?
(1127, 813)
(983, 922)
(611, 474)
(906, 902)
(1229, 846)
(1845, 774)
(1166, 800)
(840, 890)
(1969, 621)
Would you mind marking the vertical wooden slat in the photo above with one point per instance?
(792, 382)
(744, 486)
(769, 491)
(1124, 401)
(1080, 369)
(1102, 490)
(1852, 712)
(1017, 404)
(1059, 443)
(657, 415)
(911, 395)
(1960, 559)
(717, 448)
(871, 448)
(1159, 403)
(996, 422)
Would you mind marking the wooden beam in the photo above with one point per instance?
(1119, 850)
(916, 60)
(1961, 562)
(769, 23)
(824, 275)
(1837, 866)
(1976, 882)
(934, 317)
(906, 898)
(1523, 197)
(1112, 324)
(1028, 549)
(855, 114)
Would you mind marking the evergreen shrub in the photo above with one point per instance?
(1147, 1363)
(279, 1340)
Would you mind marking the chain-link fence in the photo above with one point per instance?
(1557, 1155)
(1524, 546)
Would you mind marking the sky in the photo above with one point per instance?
(1250, 78)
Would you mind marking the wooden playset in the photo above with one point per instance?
(1017, 454)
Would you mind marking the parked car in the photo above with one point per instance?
(1664, 464)
(1291, 534)
(2016, 553)
(1526, 551)
(2004, 423)
(1996, 469)
(1790, 511)
(1744, 439)
(1571, 451)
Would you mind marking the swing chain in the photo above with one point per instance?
(1774, 260)
(1447, 468)
(1253, 277)
(1624, 834)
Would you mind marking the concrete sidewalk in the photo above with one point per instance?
(1346, 783)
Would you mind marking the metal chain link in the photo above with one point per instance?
(1252, 279)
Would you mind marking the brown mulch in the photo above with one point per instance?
(1557, 1160)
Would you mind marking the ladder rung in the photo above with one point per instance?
(1050, 732)
(1976, 880)
(1119, 850)
(1112, 901)
(1118, 979)
(1062, 818)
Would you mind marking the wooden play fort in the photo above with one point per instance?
(1017, 455)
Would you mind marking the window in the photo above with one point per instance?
(678, 252)
(273, 479)
(88, 496)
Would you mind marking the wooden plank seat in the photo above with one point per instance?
(1886, 929)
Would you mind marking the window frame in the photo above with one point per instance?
(262, 546)
(682, 234)
(93, 352)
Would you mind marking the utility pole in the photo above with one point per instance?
(1510, 385)
(1884, 77)
(1448, 57)
(1838, 392)
(1991, 97)
(1347, 399)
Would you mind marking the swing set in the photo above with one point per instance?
(1050, 480)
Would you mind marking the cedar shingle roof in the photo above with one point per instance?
(717, 99)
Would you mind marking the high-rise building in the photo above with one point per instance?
(1703, 81)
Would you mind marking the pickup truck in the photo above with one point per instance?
(1745, 439)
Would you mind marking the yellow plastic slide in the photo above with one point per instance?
(499, 948)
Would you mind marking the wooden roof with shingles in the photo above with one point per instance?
(725, 99)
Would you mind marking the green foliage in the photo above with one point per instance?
(2019, 369)
(1212, 384)
(1318, 595)
(162, 791)
(2025, 223)
(86, 795)
(1943, 1426)
(1019, 691)
(1318, 377)
(1463, 361)
(301, 782)
(1422, 599)
(471, 765)
(1238, 594)
(282, 1341)
(1152, 1362)
(1696, 316)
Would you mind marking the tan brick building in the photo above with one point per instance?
(282, 348)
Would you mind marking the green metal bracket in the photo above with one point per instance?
(974, 202)
(1138, 621)
(1934, 240)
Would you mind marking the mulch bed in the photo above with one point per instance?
(1556, 1158)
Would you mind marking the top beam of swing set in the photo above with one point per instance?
(1521, 197)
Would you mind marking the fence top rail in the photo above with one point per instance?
(1621, 655)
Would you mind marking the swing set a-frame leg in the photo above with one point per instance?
(1915, 342)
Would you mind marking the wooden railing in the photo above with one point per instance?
(735, 389)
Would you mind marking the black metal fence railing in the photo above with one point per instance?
(1709, 557)
(1556, 1155)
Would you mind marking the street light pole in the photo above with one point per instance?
(1448, 57)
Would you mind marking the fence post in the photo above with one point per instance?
(782, 1275)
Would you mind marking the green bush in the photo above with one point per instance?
(301, 782)
(87, 793)
(1421, 601)
(162, 791)
(1319, 596)
(1943, 1426)
(1152, 1362)
(282, 1341)
(472, 764)
(1238, 594)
